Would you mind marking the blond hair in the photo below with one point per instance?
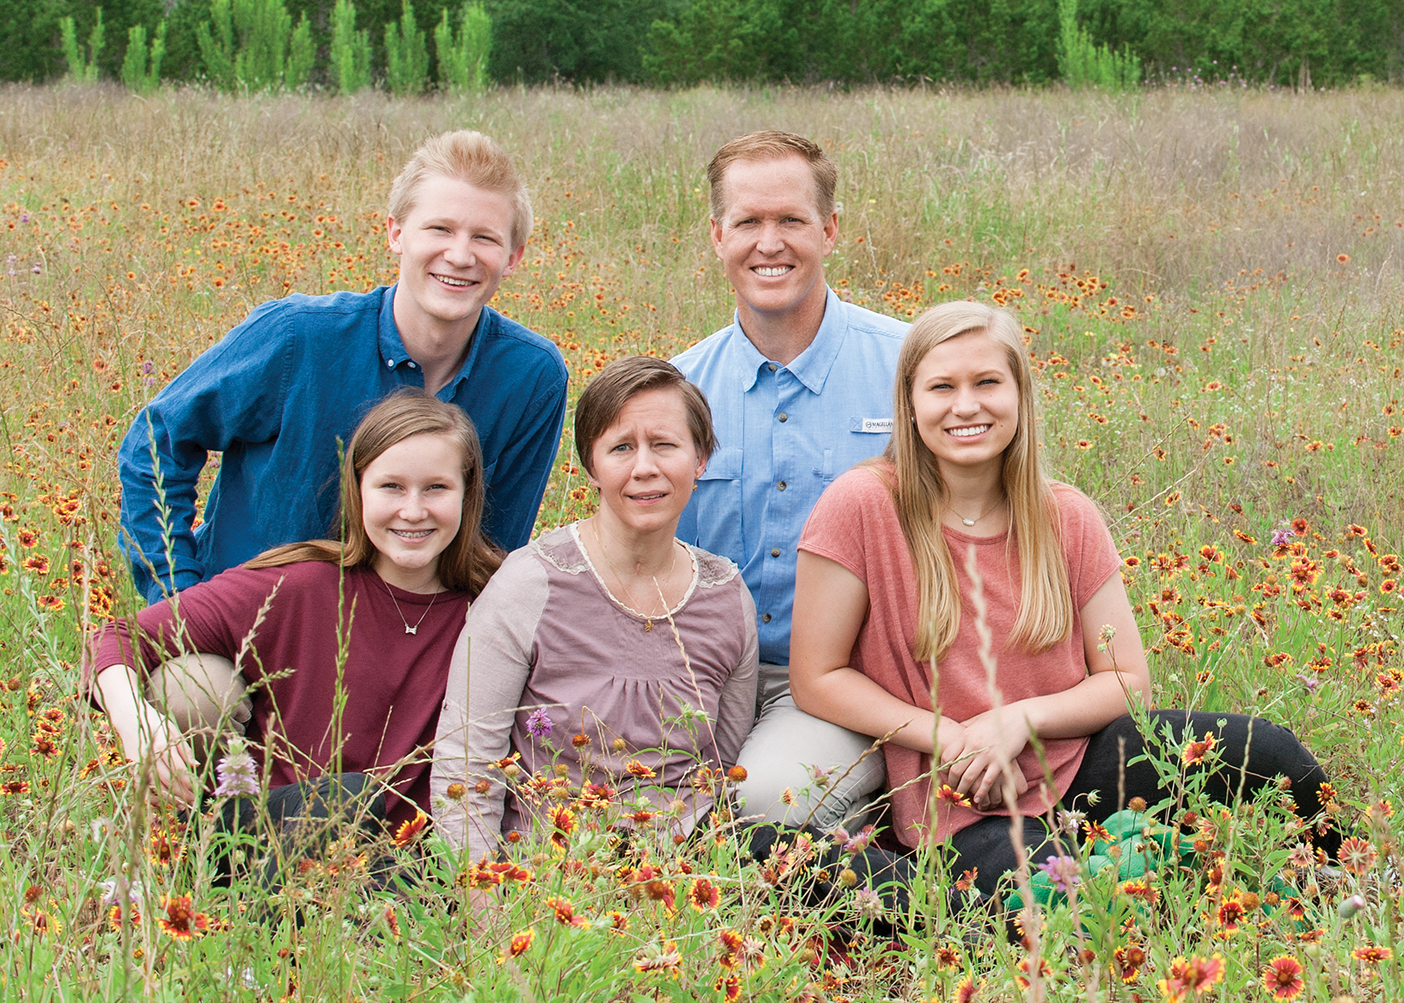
(468, 156)
(772, 145)
(469, 560)
(1045, 611)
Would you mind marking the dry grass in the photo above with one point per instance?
(1213, 281)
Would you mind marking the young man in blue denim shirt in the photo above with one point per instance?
(800, 386)
(275, 395)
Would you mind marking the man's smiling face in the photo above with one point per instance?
(454, 246)
(772, 238)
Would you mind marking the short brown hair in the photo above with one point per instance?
(623, 380)
(771, 145)
(469, 560)
(468, 156)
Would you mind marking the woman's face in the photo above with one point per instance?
(966, 402)
(646, 463)
(411, 508)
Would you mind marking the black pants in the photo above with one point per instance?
(1251, 752)
(304, 818)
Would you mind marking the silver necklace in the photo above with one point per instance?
(648, 620)
(408, 628)
(971, 522)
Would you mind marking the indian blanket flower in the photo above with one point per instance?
(410, 830)
(1197, 750)
(703, 896)
(181, 921)
(1130, 959)
(1356, 855)
(1372, 954)
(237, 771)
(1191, 977)
(663, 958)
(538, 723)
(1282, 978)
(950, 795)
(520, 943)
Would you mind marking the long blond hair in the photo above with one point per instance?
(1045, 602)
(469, 560)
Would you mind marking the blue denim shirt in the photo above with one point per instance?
(275, 395)
(784, 433)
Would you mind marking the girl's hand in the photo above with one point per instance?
(160, 751)
(972, 764)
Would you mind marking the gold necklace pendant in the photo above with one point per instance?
(648, 626)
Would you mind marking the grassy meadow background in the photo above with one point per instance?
(1213, 284)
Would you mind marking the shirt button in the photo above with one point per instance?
(765, 618)
(389, 363)
(770, 366)
(775, 552)
(781, 485)
(410, 364)
(783, 416)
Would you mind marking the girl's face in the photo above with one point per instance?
(411, 508)
(966, 403)
(646, 463)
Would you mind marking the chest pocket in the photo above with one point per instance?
(718, 501)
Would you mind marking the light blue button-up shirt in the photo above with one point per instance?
(784, 433)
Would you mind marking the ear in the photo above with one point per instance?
(513, 260)
(701, 469)
(716, 229)
(830, 232)
(392, 234)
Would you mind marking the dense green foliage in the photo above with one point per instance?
(1278, 42)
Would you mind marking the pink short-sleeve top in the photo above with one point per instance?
(855, 524)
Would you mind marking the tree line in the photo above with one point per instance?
(407, 46)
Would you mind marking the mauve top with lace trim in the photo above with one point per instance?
(547, 634)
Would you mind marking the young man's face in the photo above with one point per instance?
(772, 238)
(455, 247)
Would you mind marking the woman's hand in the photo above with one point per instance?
(973, 762)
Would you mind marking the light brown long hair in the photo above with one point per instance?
(469, 560)
(1045, 602)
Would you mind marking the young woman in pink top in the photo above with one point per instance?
(335, 653)
(894, 563)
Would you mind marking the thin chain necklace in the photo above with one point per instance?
(971, 522)
(408, 628)
(648, 620)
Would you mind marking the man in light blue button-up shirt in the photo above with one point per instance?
(800, 386)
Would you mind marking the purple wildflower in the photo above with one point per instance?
(859, 842)
(237, 772)
(868, 903)
(538, 723)
(1281, 537)
(1063, 870)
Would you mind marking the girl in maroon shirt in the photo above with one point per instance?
(336, 653)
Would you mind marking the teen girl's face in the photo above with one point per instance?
(966, 403)
(411, 507)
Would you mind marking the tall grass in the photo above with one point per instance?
(1212, 284)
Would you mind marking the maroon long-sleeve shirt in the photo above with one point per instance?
(393, 681)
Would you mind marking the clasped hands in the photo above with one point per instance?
(972, 751)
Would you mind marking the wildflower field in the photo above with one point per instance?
(1212, 280)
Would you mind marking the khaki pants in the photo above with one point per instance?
(823, 768)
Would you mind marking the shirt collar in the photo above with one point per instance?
(392, 346)
(812, 366)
